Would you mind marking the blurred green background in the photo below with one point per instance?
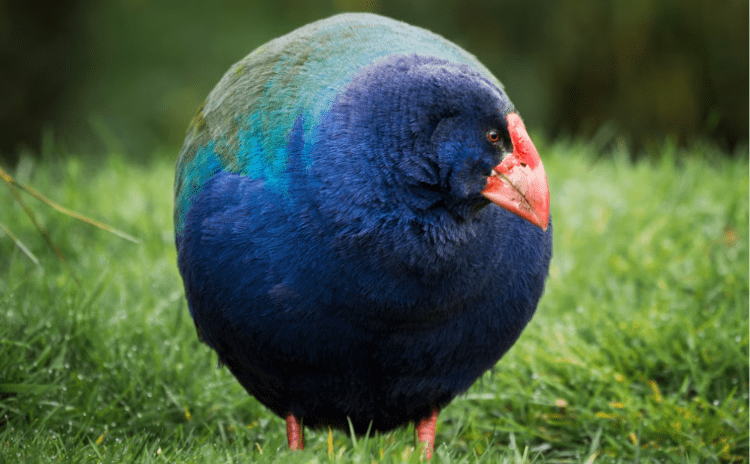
(127, 75)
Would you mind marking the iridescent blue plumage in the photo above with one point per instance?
(243, 125)
(332, 233)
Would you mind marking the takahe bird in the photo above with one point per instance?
(362, 224)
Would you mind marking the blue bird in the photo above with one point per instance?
(362, 224)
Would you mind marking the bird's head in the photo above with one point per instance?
(444, 134)
(484, 153)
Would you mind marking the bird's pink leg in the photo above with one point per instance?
(425, 430)
(294, 433)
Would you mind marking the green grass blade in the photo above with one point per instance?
(20, 244)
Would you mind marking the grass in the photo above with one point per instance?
(638, 351)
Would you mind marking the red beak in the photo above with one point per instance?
(519, 183)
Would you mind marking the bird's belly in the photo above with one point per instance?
(329, 370)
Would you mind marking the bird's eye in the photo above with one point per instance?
(493, 136)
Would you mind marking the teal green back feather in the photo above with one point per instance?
(243, 125)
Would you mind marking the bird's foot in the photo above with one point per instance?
(425, 434)
(294, 433)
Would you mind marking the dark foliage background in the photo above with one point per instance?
(127, 75)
